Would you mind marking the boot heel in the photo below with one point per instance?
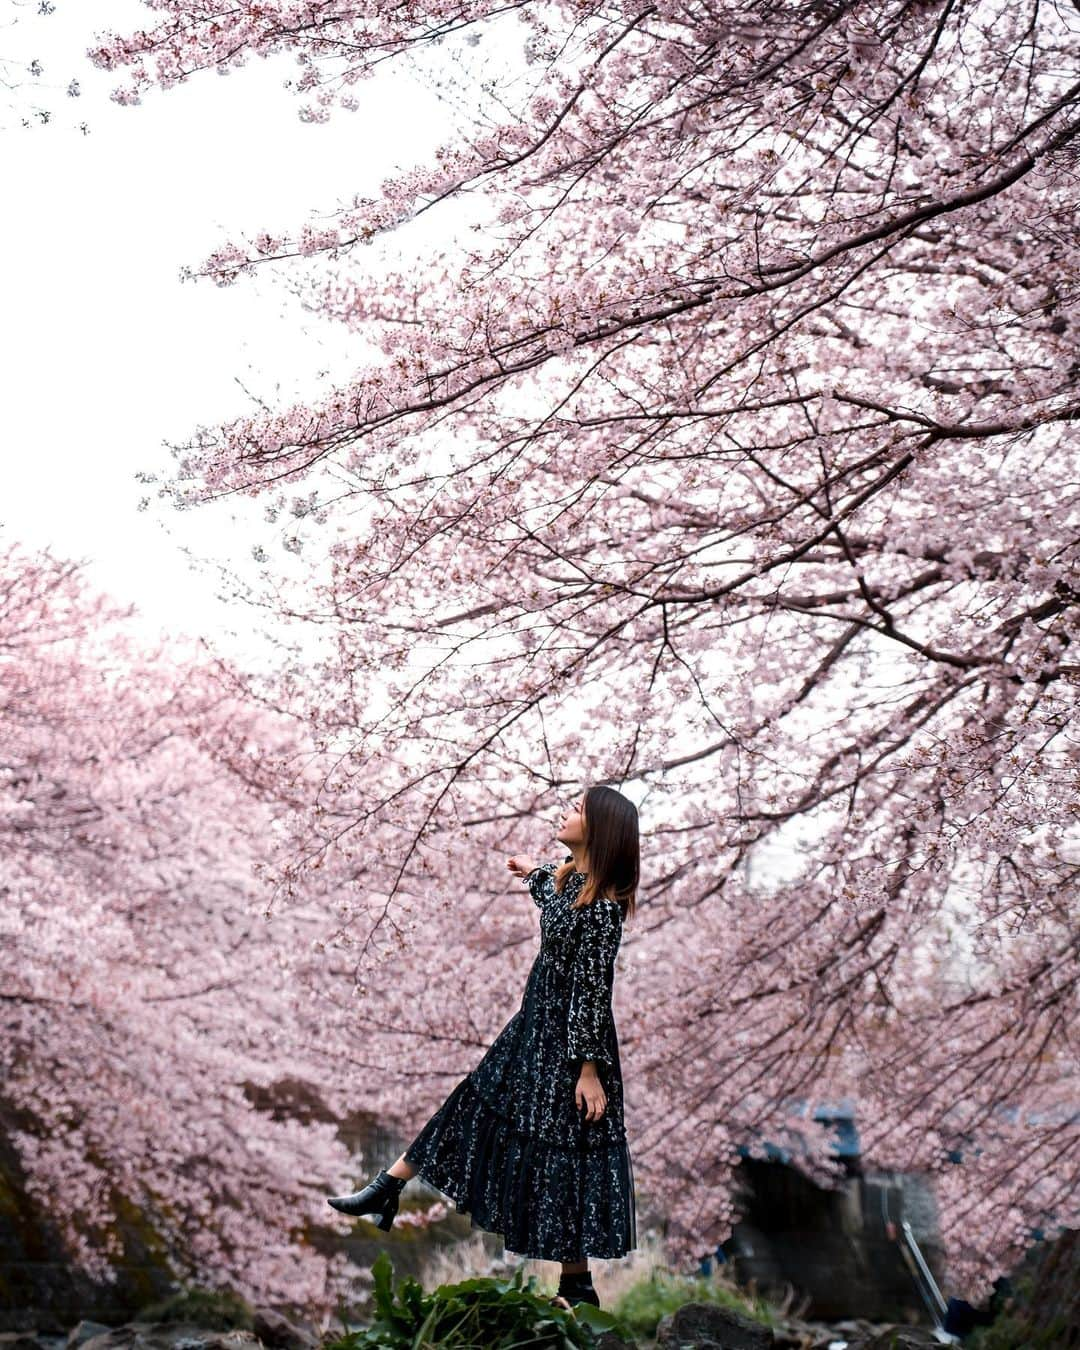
(385, 1219)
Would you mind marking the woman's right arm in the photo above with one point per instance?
(537, 881)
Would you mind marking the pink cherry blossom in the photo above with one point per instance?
(733, 459)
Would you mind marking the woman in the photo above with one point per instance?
(531, 1144)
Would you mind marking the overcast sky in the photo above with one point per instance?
(106, 353)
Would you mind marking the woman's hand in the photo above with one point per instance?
(520, 866)
(590, 1094)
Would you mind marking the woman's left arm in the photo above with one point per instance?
(592, 979)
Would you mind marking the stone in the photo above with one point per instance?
(279, 1333)
(84, 1331)
(707, 1326)
(23, 1340)
(608, 1340)
(897, 1338)
(166, 1336)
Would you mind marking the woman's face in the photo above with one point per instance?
(572, 829)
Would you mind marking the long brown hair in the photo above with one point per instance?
(612, 844)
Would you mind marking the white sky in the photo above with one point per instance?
(105, 353)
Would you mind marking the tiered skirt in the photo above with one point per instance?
(551, 1201)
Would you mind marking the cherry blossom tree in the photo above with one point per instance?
(731, 457)
(146, 1001)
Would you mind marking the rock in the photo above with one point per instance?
(791, 1333)
(856, 1331)
(277, 1332)
(23, 1340)
(607, 1340)
(169, 1336)
(707, 1326)
(113, 1338)
(217, 1340)
(897, 1338)
(84, 1331)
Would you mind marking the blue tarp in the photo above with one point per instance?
(840, 1116)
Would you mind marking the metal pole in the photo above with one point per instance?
(942, 1306)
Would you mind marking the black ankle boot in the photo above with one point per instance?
(577, 1287)
(380, 1196)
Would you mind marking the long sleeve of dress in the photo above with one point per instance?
(592, 980)
(536, 880)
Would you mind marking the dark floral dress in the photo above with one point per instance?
(508, 1145)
